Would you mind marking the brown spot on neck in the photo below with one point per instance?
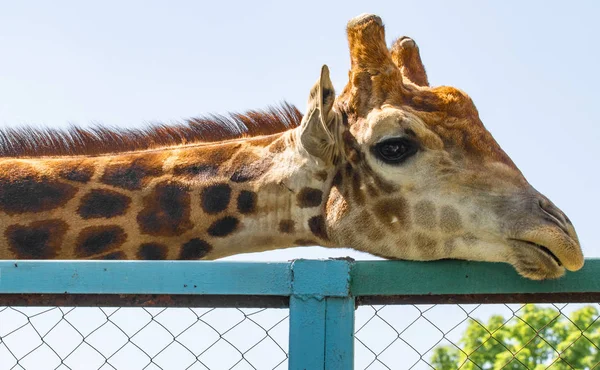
(309, 197)
(152, 251)
(78, 172)
(37, 240)
(204, 162)
(102, 203)
(195, 170)
(223, 227)
(215, 198)
(246, 202)
(23, 189)
(317, 226)
(132, 173)
(166, 210)
(194, 249)
(287, 226)
(247, 166)
(95, 240)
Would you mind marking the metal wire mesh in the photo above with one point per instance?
(499, 336)
(143, 338)
(481, 336)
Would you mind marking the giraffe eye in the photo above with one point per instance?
(396, 150)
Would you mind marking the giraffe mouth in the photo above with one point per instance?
(542, 249)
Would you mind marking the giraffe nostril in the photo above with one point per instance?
(555, 214)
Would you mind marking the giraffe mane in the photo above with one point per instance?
(34, 142)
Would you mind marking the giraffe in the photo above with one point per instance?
(391, 166)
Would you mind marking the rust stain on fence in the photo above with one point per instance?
(143, 300)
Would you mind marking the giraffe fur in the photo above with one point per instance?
(391, 166)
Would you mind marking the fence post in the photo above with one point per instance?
(321, 315)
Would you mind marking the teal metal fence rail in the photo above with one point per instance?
(321, 294)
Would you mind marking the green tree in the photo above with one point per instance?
(536, 338)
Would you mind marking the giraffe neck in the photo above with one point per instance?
(189, 202)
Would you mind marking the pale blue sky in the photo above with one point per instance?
(531, 68)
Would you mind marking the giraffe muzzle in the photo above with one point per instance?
(550, 232)
(554, 242)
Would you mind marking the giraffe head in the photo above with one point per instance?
(415, 174)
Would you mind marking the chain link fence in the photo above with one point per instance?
(143, 338)
(478, 336)
(461, 336)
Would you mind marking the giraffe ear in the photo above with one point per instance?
(320, 121)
